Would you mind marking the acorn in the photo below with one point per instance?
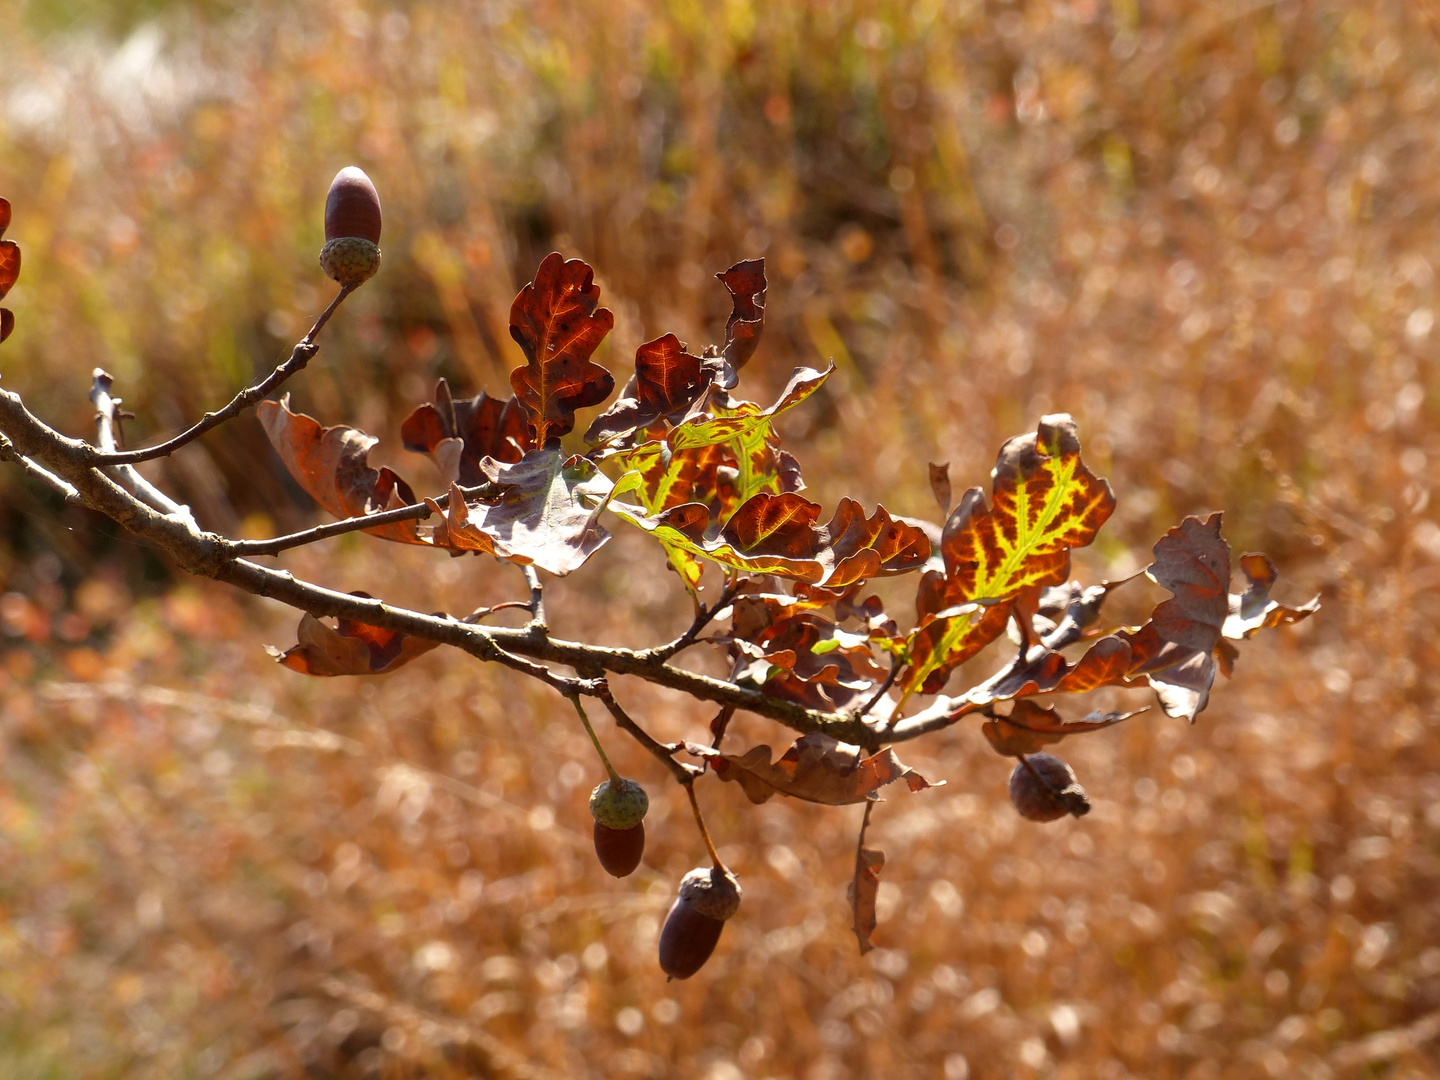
(351, 254)
(619, 813)
(708, 896)
(1044, 788)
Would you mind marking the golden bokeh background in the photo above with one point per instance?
(1206, 229)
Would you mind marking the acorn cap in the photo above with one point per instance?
(352, 208)
(711, 891)
(621, 806)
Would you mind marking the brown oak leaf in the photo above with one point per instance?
(331, 465)
(817, 768)
(555, 322)
(349, 648)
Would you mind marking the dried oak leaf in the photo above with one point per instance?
(940, 486)
(785, 645)
(817, 768)
(545, 514)
(349, 648)
(1031, 727)
(746, 283)
(331, 465)
(9, 269)
(1253, 610)
(863, 892)
(1192, 561)
(669, 380)
(555, 322)
(1044, 503)
(1189, 559)
(458, 434)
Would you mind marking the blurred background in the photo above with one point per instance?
(1207, 229)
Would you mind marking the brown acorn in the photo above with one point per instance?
(351, 254)
(708, 896)
(619, 850)
(619, 813)
(1044, 788)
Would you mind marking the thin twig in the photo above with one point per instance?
(884, 687)
(37, 471)
(684, 774)
(301, 355)
(703, 618)
(107, 422)
(413, 512)
(538, 625)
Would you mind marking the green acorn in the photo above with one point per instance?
(619, 812)
(351, 254)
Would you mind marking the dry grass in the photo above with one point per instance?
(1207, 229)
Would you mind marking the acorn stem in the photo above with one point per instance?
(615, 777)
(704, 832)
(345, 290)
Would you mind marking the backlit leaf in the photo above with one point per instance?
(555, 321)
(749, 432)
(778, 534)
(546, 513)
(667, 381)
(1253, 610)
(331, 465)
(1045, 502)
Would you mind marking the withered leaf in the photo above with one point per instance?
(1192, 560)
(1030, 727)
(9, 269)
(1045, 502)
(817, 768)
(940, 485)
(864, 889)
(331, 465)
(786, 646)
(667, 381)
(555, 322)
(670, 381)
(746, 283)
(546, 514)
(1253, 610)
(349, 648)
(458, 434)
